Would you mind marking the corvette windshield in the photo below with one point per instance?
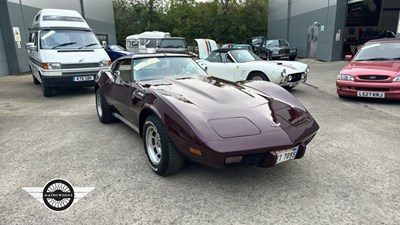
(379, 52)
(153, 68)
(242, 56)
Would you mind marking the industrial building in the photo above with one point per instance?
(16, 18)
(329, 29)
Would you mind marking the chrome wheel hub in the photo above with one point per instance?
(153, 145)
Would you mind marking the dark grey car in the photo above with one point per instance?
(172, 45)
(277, 49)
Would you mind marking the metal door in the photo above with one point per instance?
(312, 41)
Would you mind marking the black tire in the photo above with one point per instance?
(164, 158)
(292, 57)
(103, 110)
(47, 91)
(35, 81)
(257, 76)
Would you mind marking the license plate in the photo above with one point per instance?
(83, 78)
(370, 94)
(285, 155)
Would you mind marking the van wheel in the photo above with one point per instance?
(35, 81)
(47, 91)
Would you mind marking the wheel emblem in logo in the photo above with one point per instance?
(58, 195)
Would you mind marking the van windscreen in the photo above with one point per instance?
(62, 18)
(68, 39)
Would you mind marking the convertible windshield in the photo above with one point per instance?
(154, 68)
(379, 52)
(68, 39)
(242, 56)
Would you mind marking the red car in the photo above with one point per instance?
(184, 114)
(374, 71)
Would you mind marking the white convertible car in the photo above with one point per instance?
(241, 64)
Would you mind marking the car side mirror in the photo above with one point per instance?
(117, 73)
(348, 57)
(110, 76)
(31, 46)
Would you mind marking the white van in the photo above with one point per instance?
(63, 51)
(149, 40)
(132, 43)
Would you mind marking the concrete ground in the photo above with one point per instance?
(349, 174)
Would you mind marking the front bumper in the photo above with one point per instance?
(351, 88)
(68, 80)
(280, 56)
(263, 157)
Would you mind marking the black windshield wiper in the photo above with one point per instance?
(374, 59)
(88, 45)
(63, 44)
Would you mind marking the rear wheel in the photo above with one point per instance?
(103, 111)
(257, 76)
(163, 156)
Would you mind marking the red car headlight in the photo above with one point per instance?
(396, 79)
(345, 77)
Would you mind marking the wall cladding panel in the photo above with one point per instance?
(3, 57)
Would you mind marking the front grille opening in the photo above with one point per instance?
(373, 77)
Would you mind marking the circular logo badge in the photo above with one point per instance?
(58, 195)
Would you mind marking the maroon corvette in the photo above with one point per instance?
(184, 114)
(374, 71)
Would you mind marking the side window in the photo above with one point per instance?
(226, 58)
(33, 38)
(264, 44)
(124, 67)
(214, 57)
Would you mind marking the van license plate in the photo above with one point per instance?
(83, 78)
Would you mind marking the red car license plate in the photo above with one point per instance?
(370, 94)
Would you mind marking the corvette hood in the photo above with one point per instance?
(208, 93)
(219, 109)
(388, 68)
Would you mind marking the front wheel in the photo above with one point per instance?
(292, 57)
(47, 91)
(164, 158)
(257, 76)
(35, 81)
